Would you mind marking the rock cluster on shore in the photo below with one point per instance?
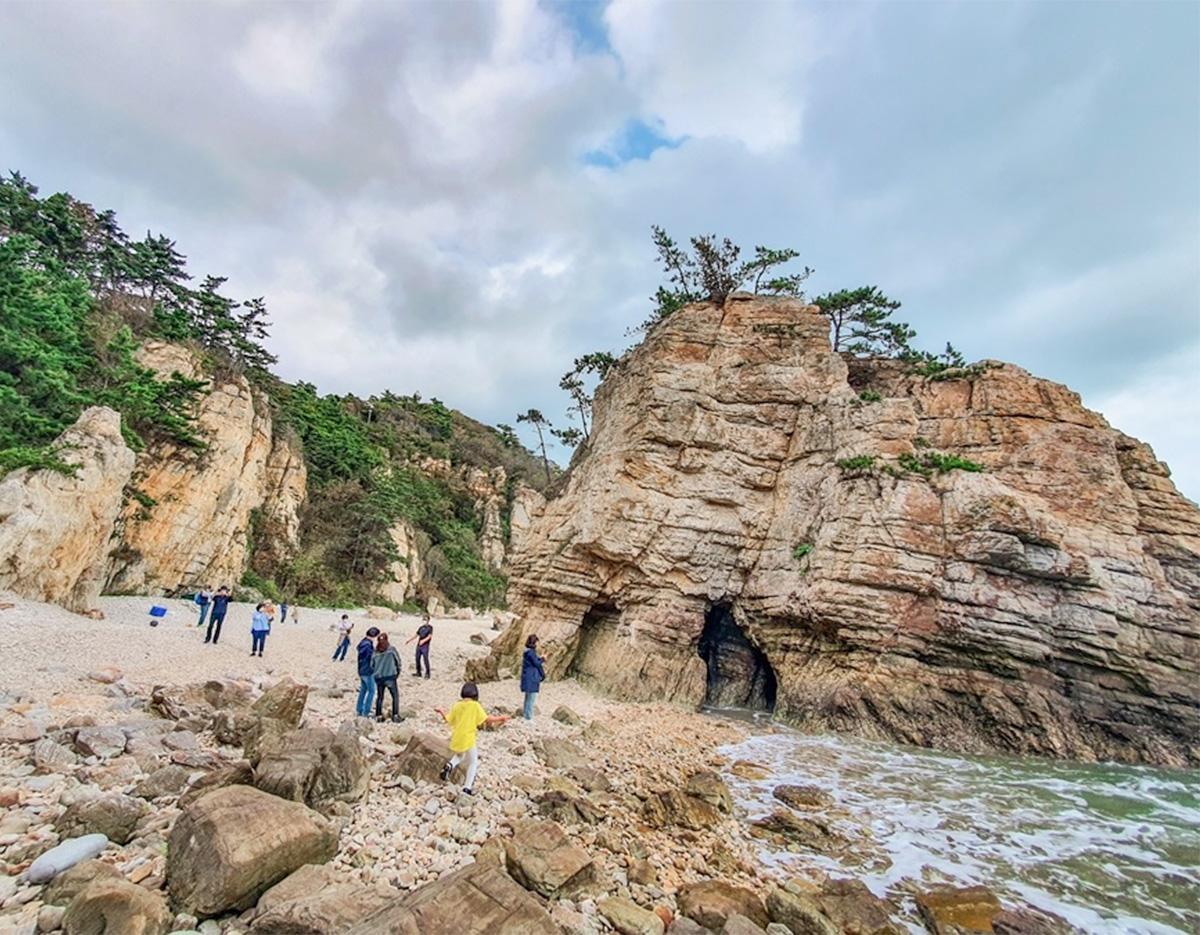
(229, 807)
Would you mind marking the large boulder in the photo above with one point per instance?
(314, 765)
(799, 912)
(480, 898)
(237, 773)
(230, 845)
(227, 693)
(712, 902)
(423, 757)
(283, 701)
(111, 814)
(55, 527)
(559, 754)
(948, 910)
(104, 907)
(164, 781)
(707, 785)
(72, 881)
(628, 918)
(541, 858)
(674, 808)
(316, 900)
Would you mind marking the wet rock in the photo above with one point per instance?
(803, 796)
(851, 906)
(478, 898)
(103, 742)
(565, 715)
(1029, 921)
(283, 701)
(313, 901)
(628, 918)
(556, 753)
(64, 856)
(813, 833)
(540, 857)
(230, 845)
(424, 757)
(112, 814)
(314, 765)
(946, 910)
(52, 757)
(739, 925)
(747, 769)
(800, 913)
(167, 780)
(712, 902)
(105, 906)
(238, 773)
(710, 787)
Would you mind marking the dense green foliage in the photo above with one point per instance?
(857, 464)
(860, 323)
(926, 462)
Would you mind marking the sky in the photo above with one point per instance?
(456, 198)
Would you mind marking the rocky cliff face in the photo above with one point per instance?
(55, 529)
(408, 571)
(197, 530)
(720, 542)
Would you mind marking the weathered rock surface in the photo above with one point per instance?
(950, 909)
(111, 814)
(315, 900)
(1047, 604)
(315, 766)
(70, 882)
(541, 858)
(197, 529)
(423, 757)
(105, 906)
(712, 902)
(54, 528)
(284, 701)
(478, 898)
(408, 570)
(230, 845)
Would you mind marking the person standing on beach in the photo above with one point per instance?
(532, 674)
(366, 677)
(202, 600)
(423, 636)
(260, 626)
(343, 646)
(283, 609)
(465, 718)
(385, 667)
(220, 604)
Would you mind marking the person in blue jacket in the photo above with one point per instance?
(366, 678)
(532, 674)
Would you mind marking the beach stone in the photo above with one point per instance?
(747, 769)
(52, 757)
(800, 913)
(64, 856)
(49, 918)
(230, 725)
(238, 773)
(811, 832)
(477, 639)
(230, 845)
(851, 906)
(112, 814)
(477, 898)
(119, 771)
(23, 730)
(314, 765)
(708, 786)
(682, 925)
(946, 910)
(568, 807)
(739, 925)
(110, 906)
(104, 742)
(261, 734)
(593, 780)
(556, 753)
(185, 921)
(628, 918)
(167, 780)
(803, 796)
(676, 808)
(283, 701)
(180, 740)
(315, 900)
(424, 757)
(642, 872)
(227, 693)
(565, 715)
(777, 928)
(106, 675)
(540, 857)
(712, 902)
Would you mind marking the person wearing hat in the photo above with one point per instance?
(366, 677)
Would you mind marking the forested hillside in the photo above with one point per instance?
(78, 297)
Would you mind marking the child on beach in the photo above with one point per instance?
(465, 718)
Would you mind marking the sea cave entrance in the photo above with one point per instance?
(739, 675)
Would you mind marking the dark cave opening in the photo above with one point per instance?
(739, 675)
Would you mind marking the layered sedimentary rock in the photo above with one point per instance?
(488, 489)
(55, 528)
(408, 570)
(727, 538)
(194, 528)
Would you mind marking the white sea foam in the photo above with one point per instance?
(1109, 848)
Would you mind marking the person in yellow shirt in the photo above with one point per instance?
(465, 718)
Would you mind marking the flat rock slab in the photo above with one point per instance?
(712, 902)
(232, 844)
(315, 900)
(100, 741)
(541, 858)
(480, 899)
(105, 906)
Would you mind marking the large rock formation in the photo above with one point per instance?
(197, 530)
(408, 570)
(55, 528)
(718, 542)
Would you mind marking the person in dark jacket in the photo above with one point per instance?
(385, 666)
(220, 604)
(366, 678)
(203, 599)
(532, 674)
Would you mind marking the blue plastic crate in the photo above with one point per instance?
(158, 611)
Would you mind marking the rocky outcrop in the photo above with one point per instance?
(55, 528)
(527, 505)
(195, 530)
(488, 489)
(758, 523)
(408, 570)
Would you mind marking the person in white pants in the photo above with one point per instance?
(465, 719)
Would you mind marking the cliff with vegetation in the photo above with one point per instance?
(962, 557)
(146, 447)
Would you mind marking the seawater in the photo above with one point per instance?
(1109, 848)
